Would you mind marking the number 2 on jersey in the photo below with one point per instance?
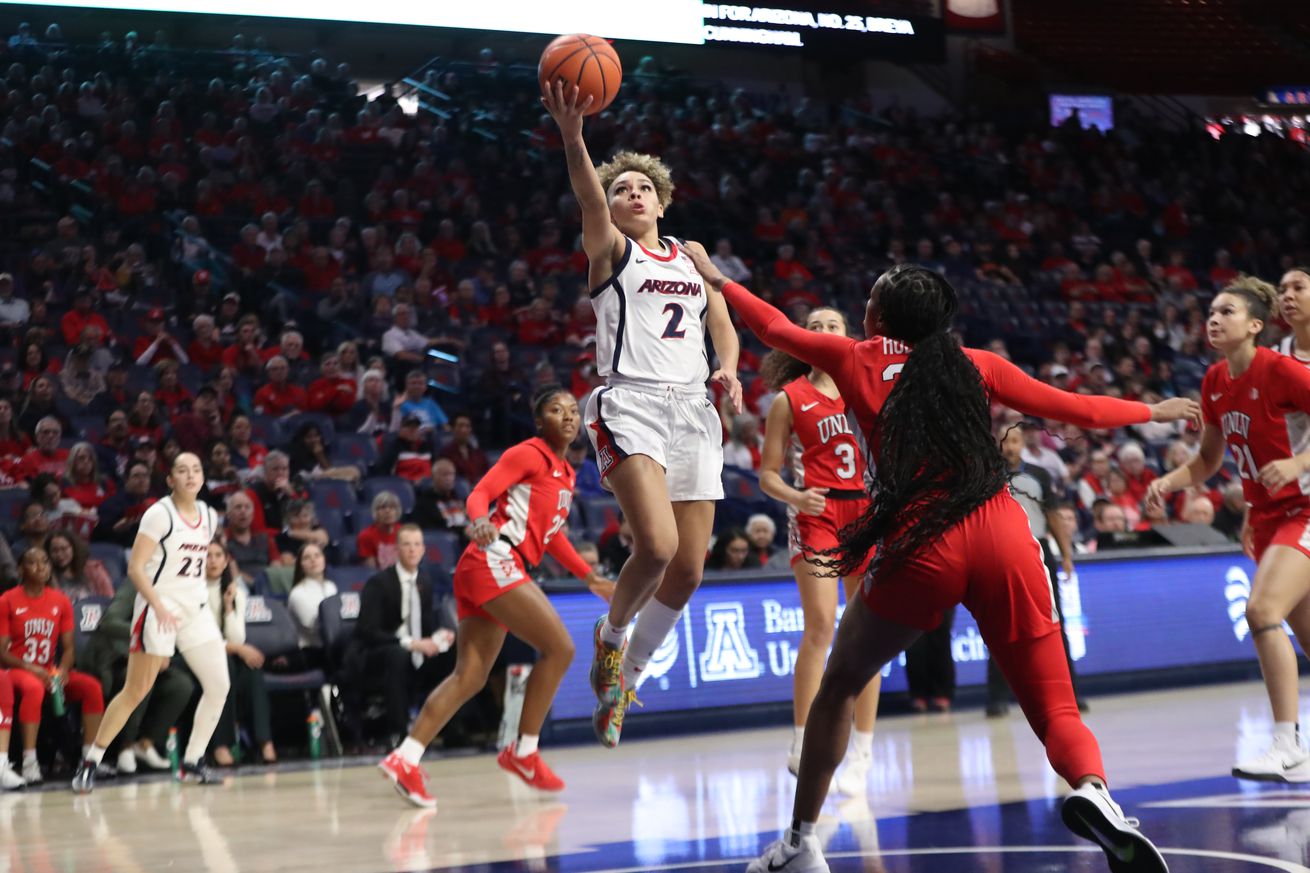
(671, 330)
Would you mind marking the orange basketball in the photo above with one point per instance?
(586, 61)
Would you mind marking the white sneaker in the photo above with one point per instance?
(127, 762)
(853, 778)
(32, 772)
(9, 780)
(150, 756)
(783, 857)
(1091, 814)
(794, 760)
(1284, 761)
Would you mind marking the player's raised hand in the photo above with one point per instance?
(712, 275)
(730, 381)
(1176, 408)
(563, 103)
(600, 586)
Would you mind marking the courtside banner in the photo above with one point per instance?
(737, 641)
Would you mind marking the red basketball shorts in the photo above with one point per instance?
(483, 574)
(989, 562)
(820, 535)
(1281, 526)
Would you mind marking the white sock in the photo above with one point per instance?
(4, 761)
(800, 830)
(862, 743)
(613, 636)
(654, 624)
(526, 745)
(797, 737)
(86, 750)
(411, 750)
(94, 754)
(1285, 730)
(29, 756)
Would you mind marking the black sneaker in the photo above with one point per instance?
(198, 774)
(84, 779)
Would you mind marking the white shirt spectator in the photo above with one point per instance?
(303, 603)
(399, 339)
(14, 312)
(732, 266)
(1049, 461)
(234, 625)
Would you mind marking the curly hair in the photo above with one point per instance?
(778, 368)
(648, 165)
(937, 460)
(1260, 297)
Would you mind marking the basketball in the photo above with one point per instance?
(586, 61)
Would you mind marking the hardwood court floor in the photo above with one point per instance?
(949, 793)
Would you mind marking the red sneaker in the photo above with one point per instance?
(531, 770)
(408, 780)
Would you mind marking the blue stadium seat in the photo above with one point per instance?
(87, 613)
(270, 628)
(336, 625)
(442, 548)
(397, 485)
(114, 558)
(12, 501)
(332, 519)
(263, 429)
(350, 578)
(742, 485)
(347, 548)
(355, 448)
(288, 426)
(334, 494)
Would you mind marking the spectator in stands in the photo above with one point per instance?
(40, 404)
(247, 701)
(761, 530)
(244, 354)
(410, 451)
(309, 588)
(1132, 463)
(469, 461)
(14, 311)
(311, 460)
(205, 351)
(81, 383)
(143, 420)
(415, 401)
(13, 440)
(503, 388)
(271, 492)
(119, 516)
(251, 550)
(731, 551)
(81, 315)
(732, 266)
(171, 396)
(301, 527)
(246, 453)
(74, 571)
(1230, 515)
(399, 644)
(1095, 484)
(116, 394)
(385, 278)
(742, 450)
(33, 527)
(376, 544)
(440, 505)
(83, 481)
(332, 393)
(1036, 452)
(350, 365)
(1119, 495)
(1198, 510)
(46, 456)
(156, 343)
(401, 342)
(28, 648)
(291, 345)
(221, 476)
(1108, 518)
(198, 428)
(371, 413)
(280, 396)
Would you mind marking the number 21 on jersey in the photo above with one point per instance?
(1246, 467)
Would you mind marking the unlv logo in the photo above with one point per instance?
(728, 654)
(90, 618)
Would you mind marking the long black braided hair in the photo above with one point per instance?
(937, 459)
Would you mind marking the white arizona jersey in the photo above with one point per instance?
(177, 565)
(1285, 347)
(650, 318)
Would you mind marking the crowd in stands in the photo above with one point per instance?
(344, 308)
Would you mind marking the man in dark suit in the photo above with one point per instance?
(400, 648)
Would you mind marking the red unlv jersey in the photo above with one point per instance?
(1262, 414)
(533, 490)
(830, 455)
(34, 624)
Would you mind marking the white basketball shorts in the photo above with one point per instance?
(195, 627)
(675, 425)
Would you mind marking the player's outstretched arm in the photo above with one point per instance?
(829, 352)
(601, 240)
(1197, 471)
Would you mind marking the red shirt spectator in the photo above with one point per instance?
(335, 396)
(281, 399)
(37, 461)
(377, 543)
(78, 318)
(537, 327)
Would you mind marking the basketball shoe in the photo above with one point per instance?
(84, 779)
(32, 771)
(1286, 760)
(606, 667)
(791, 854)
(853, 777)
(1091, 814)
(408, 780)
(607, 720)
(530, 768)
(197, 774)
(9, 780)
